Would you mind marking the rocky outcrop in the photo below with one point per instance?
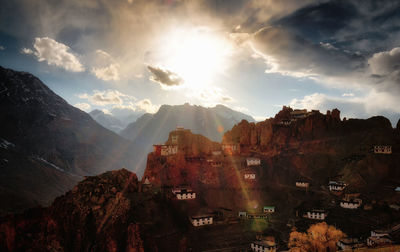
(308, 134)
(102, 213)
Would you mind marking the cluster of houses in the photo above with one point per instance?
(249, 173)
(165, 149)
(295, 115)
(377, 238)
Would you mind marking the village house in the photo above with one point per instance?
(316, 214)
(299, 113)
(184, 193)
(214, 163)
(302, 184)
(383, 149)
(242, 214)
(230, 148)
(336, 186)
(395, 207)
(263, 246)
(349, 243)
(351, 204)
(165, 150)
(201, 220)
(379, 238)
(269, 209)
(249, 176)
(252, 161)
(285, 122)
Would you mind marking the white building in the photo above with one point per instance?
(269, 209)
(379, 233)
(250, 176)
(299, 113)
(184, 193)
(349, 243)
(201, 220)
(285, 122)
(383, 149)
(263, 246)
(351, 204)
(252, 161)
(336, 186)
(316, 214)
(302, 184)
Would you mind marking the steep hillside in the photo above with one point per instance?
(42, 126)
(315, 148)
(102, 213)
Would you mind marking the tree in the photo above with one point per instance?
(320, 237)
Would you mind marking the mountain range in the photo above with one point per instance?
(117, 119)
(47, 145)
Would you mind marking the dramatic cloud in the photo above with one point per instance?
(2, 48)
(83, 106)
(164, 77)
(55, 53)
(107, 97)
(294, 55)
(386, 65)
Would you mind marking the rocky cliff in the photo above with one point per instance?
(102, 213)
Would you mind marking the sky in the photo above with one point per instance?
(254, 56)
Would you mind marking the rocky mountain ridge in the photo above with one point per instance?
(46, 132)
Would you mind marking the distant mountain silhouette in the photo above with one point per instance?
(115, 121)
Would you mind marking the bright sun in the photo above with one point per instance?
(197, 55)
